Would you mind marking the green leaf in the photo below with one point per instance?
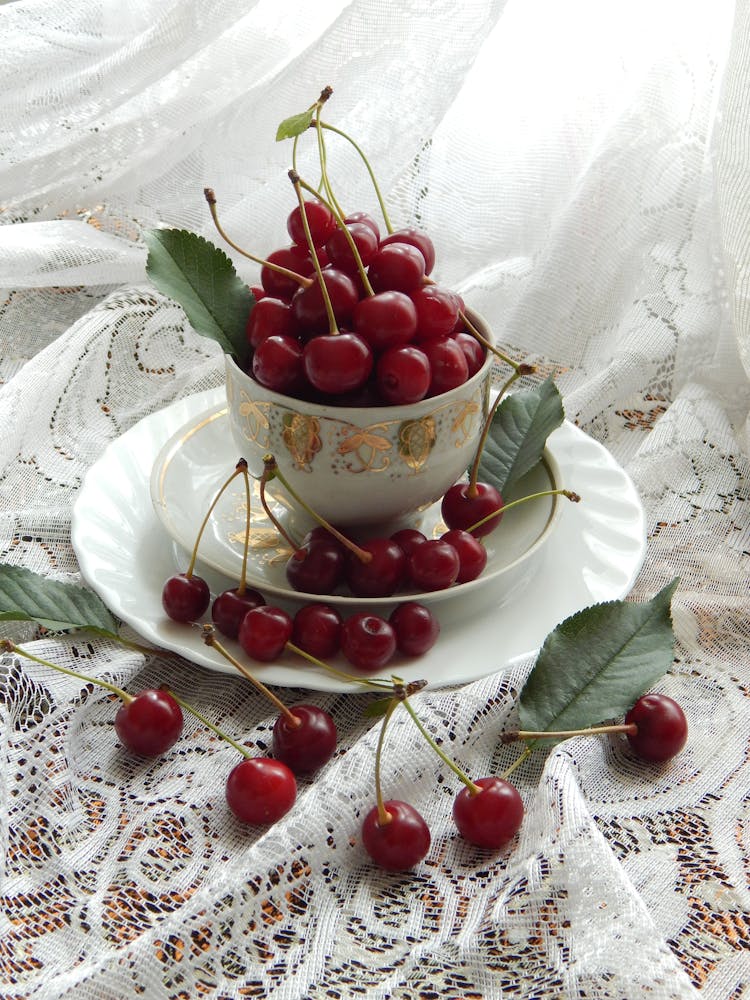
(518, 434)
(295, 125)
(200, 276)
(378, 708)
(597, 663)
(26, 596)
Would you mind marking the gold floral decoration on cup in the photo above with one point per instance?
(368, 447)
(301, 435)
(415, 441)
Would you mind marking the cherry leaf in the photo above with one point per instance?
(377, 708)
(58, 606)
(202, 279)
(518, 433)
(295, 125)
(597, 663)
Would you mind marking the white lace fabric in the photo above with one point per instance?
(583, 169)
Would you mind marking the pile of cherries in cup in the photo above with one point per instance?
(398, 337)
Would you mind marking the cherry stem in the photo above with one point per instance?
(273, 471)
(209, 637)
(384, 817)
(474, 475)
(269, 473)
(522, 734)
(474, 789)
(521, 367)
(332, 324)
(378, 195)
(377, 685)
(243, 572)
(516, 763)
(323, 157)
(348, 236)
(206, 722)
(11, 647)
(301, 280)
(573, 497)
(239, 469)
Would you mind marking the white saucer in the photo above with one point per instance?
(195, 462)
(593, 555)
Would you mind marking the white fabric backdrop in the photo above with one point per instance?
(583, 169)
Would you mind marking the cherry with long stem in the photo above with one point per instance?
(333, 328)
(568, 494)
(300, 279)
(272, 471)
(148, 723)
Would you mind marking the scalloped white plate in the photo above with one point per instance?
(593, 554)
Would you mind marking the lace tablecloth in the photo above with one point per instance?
(584, 175)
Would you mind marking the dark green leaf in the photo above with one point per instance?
(26, 596)
(518, 434)
(378, 708)
(597, 663)
(295, 125)
(200, 276)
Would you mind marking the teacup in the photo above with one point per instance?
(355, 465)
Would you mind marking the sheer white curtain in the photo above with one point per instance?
(583, 169)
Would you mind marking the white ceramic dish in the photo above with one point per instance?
(196, 460)
(593, 555)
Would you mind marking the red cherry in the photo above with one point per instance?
(278, 364)
(385, 320)
(662, 727)
(407, 539)
(308, 305)
(149, 724)
(416, 628)
(293, 258)
(307, 746)
(337, 363)
(368, 641)
(472, 555)
(340, 253)
(320, 220)
(403, 375)
(397, 267)
(320, 570)
(264, 632)
(317, 630)
(260, 790)
(257, 292)
(447, 364)
(366, 219)
(437, 311)
(382, 575)
(434, 565)
(400, 843)
(461, 510)
(230, 608)
(270, 318)
(473, 352)
(415, 238)
(492, 817)
(185, 598)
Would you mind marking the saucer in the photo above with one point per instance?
(592, 555)
(194, 463)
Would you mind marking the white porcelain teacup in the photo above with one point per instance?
(361, 465)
